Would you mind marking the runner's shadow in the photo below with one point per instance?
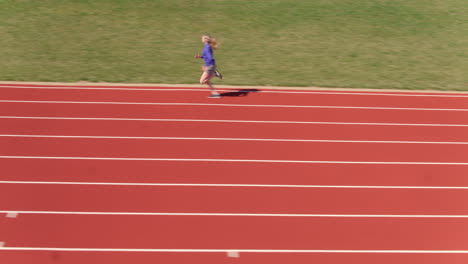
(243, 92)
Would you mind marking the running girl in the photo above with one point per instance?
(209, 69)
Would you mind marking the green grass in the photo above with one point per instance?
(420, 44)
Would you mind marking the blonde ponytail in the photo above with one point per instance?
(212, 41)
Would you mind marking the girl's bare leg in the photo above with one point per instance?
(212, 89)
(205, 79)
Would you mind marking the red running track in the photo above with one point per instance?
(232, 232)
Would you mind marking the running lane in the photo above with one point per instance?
(250, 200)
(138, 171)
(265, 97)
(52, 257)
(220, 149)
(230, 113)
(240, 232)
(231, 130)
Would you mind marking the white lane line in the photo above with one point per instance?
(245, 160)
(242, 139)
(262, 90)
(229, 121)
(371, 251)
(241, 105)
(240, 185)
(237, 214)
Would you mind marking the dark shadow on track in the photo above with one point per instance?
(243, 92)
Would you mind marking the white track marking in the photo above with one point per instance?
(242, 105)
(371, 251)
(240, 185)
(228, 121)
(237, 214)
(233, 254)
(243, 139)
(12, 214)
(244, 160)
(292, 91)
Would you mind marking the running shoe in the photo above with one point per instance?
(218, 74)
(215, 96)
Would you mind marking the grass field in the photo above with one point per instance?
(419, 44)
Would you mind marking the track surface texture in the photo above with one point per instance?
(141, 174)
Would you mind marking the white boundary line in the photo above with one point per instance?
(242, 139)
(240, 105)
(228, 121)
(354, 251)
(242, 160)
(232, 214)
(239, 185)
(235, 89)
